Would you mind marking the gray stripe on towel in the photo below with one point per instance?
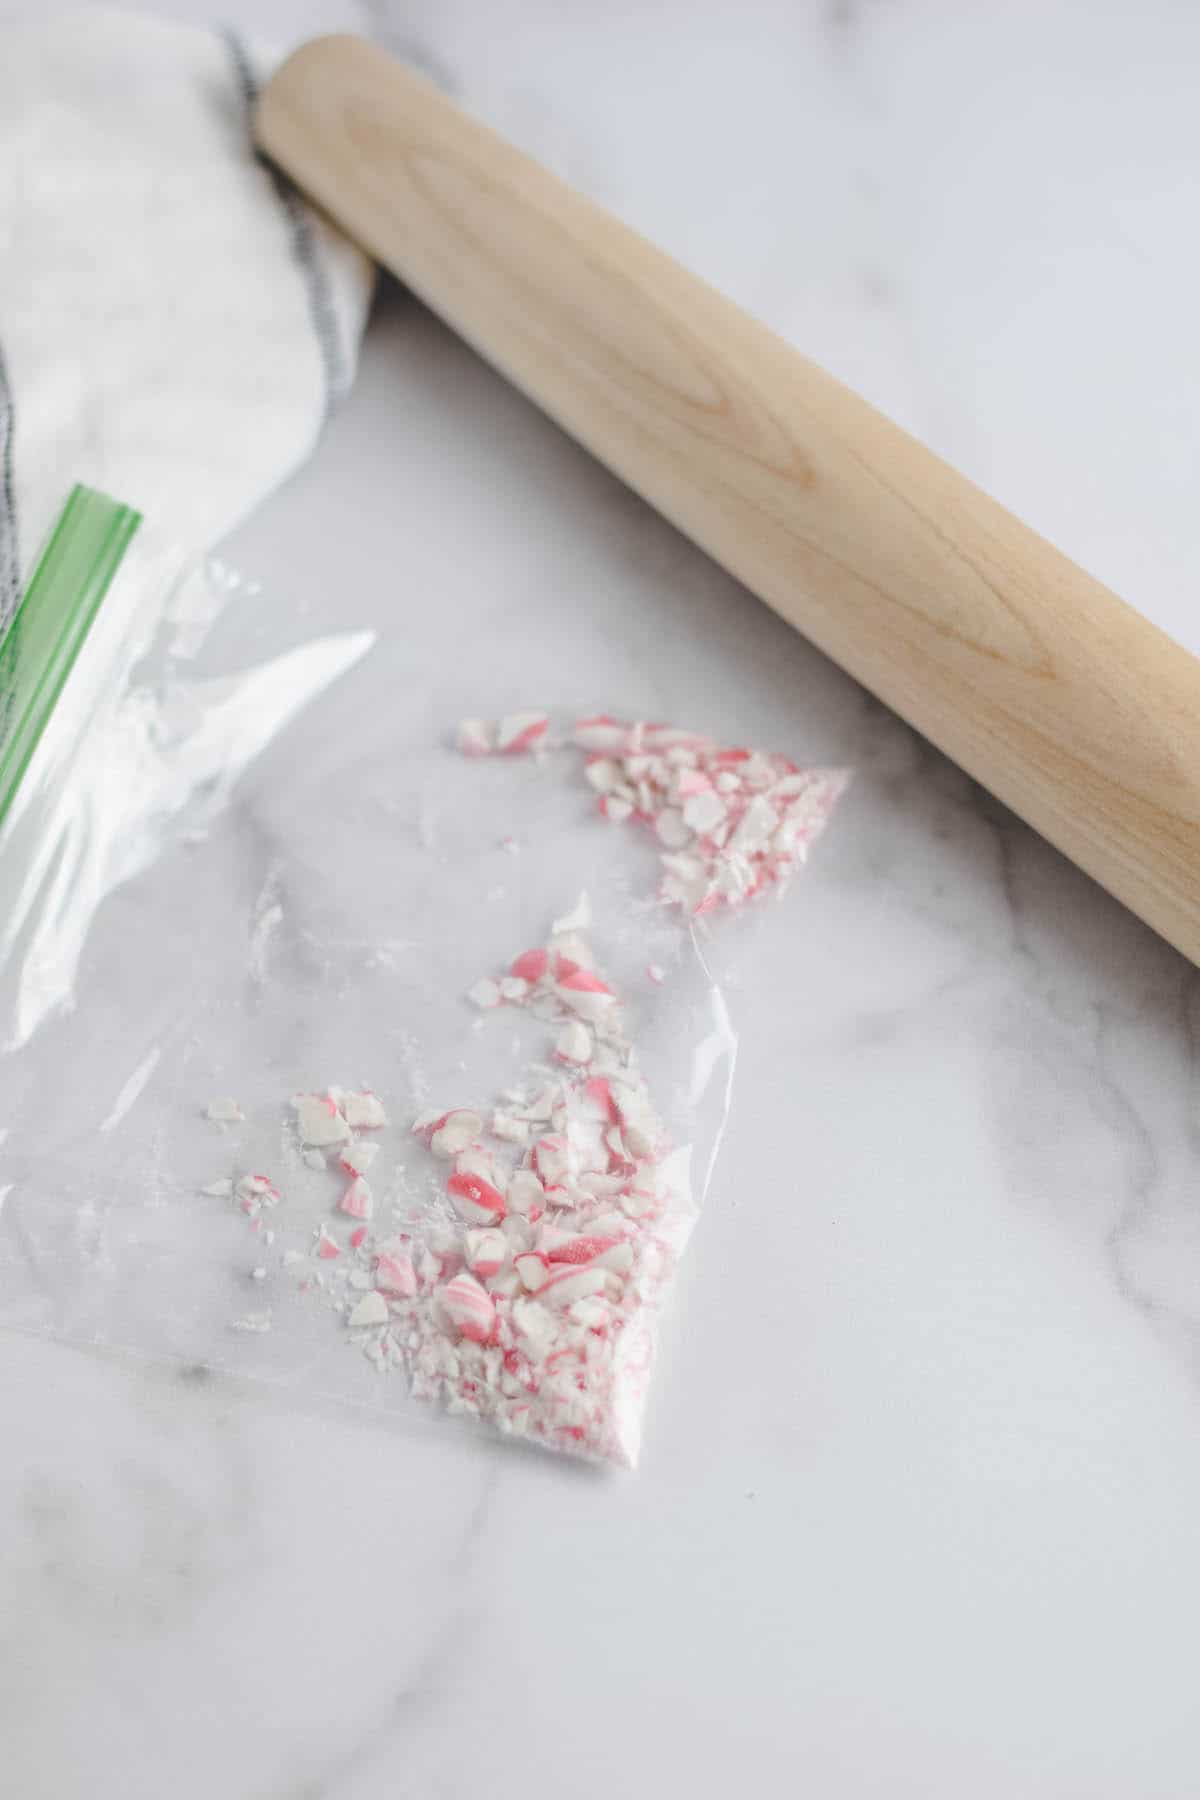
(304, 243)
(10, 560)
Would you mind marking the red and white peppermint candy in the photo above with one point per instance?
(580, 1249)
(603, 733)
(475, 737)
(319, 1121)
(372, 1309)
(487, 1252)
(530, 965)
(531, 1268)
(476, 1199)
(469, 1308)
(357, 1202)
(449, 1133)
(567, 1283)
(362, 1111)
(357, 1157)
(574, 1044)
(525, 1194)
(394, 1273)
(551, 1157)
(521, 732)
(584, 992)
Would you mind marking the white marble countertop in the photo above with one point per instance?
(917, 1511)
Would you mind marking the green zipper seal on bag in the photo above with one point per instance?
(47, 632)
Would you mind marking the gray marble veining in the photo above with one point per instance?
(917, 1513)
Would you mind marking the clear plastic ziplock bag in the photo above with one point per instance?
(424, 1123)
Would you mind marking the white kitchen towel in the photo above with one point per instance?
(174, 321)
(175, 324)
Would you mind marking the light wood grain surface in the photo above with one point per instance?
(1040, 682)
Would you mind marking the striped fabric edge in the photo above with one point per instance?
(10, 559)
(305, 250)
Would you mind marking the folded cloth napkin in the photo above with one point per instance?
(174, 321)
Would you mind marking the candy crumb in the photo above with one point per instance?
(358, 1202)
(357, 1158)
(319, 1121)
(578, 919)
(475, 737)
(364, 1111)
(225, 1112)
(372, 1309)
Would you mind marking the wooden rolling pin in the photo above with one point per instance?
(1044, 686)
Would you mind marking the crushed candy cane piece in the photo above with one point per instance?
(525, 1192)
(315, 1159)
(255, 1322)
(485, 994)
(531, 1268)
(552, 1158)
(671, 827)
(487, 1252)
(319, 1122)
(224, 1112)
(477, 1159)
(703, 812)
(358, 1156)
(253, 1192)
(598, 1095)
(469, 1307)
(530, 966)
(357, 1202)
(449, 1133)
(364, 1111)
(567, 1283)
(602, 733)
(509, 1129)
(394, 1273)
(656, 973)
(520, 732)
(372, 1309)
(574, 1043)
(219, 1190)
(475, 737)
(358, 1237)
(327, 1248)
(579, 1249)
(746, 819)
(578, 919)
(603, 774)
(585, 993)
(477, 1200)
